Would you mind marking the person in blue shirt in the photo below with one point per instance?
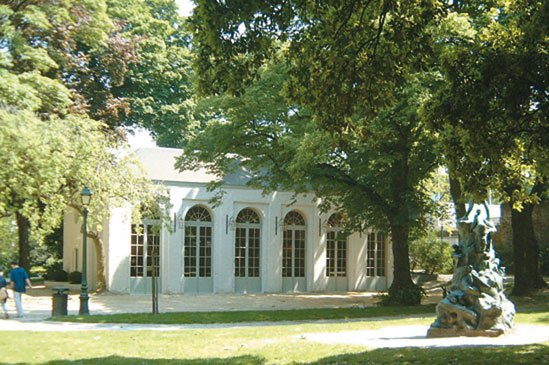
(3, 293)
(20, 280)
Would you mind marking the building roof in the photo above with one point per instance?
(159, 163)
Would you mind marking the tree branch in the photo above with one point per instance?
(333, 173)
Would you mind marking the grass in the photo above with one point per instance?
(280, 342)
(251, 316)
(254, 344)
(405, 316)
(529, 354)
(530, 304)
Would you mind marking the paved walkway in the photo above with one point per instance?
(414, 336)
(38, 307)
(38, 302)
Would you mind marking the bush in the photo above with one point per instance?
(59, 275)
(37, 280)
(37, 271)
(402, 296)
(431, 254)
(506, 256)
(53, 270)
(75, 277)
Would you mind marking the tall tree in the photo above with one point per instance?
(157, 86)
(50, 52)
(8, 244)
(46, 163)
(62, 40)
(349, 130)
(33, 37)
(126, 62)
(491, 111)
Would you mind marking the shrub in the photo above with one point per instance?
(506, 256)
(37, 271)
(37, 280)
(53, 270)
(402, 296)
(75, 277)
(59, 275)
(431, 254)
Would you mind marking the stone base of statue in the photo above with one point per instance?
(474, 304)
(460, 332)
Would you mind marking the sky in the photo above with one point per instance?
(140, 136)
(185, 7)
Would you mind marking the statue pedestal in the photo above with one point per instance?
(461, 332)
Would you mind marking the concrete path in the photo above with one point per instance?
(414, 336)
(38, 302)
(387, 337)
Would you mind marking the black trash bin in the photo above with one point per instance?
(59, 302)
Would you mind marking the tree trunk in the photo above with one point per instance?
(526, 252)
(403, 291)
(98, 244)
(402, 275)
(457, 195)
(23, 231)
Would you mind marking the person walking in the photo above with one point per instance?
(20, 280)
(3, 293)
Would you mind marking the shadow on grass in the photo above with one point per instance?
(471, 355)
(544, 320)
(112, 360)
(527, 354)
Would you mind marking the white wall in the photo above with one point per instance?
(118, 250)
(272, 209)
(72, 247)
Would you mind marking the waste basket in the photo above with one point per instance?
(59, 302)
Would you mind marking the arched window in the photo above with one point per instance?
(197, 256)
(247, 216)
(247, 244)
(336, 247)
(198, 214)
(293, 245)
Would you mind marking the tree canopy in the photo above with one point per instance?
(47, 162)
(324, 97)
(354, 100)
(157, 86)
(491, 111)
(60, 63)
(125, 63)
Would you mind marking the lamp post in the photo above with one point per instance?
(84, 298)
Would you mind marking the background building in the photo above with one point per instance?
(251, 242)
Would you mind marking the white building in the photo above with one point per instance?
(249, 243)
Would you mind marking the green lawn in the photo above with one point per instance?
(534, 304)
(252, 344)
(181, 348)
(252, 316)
